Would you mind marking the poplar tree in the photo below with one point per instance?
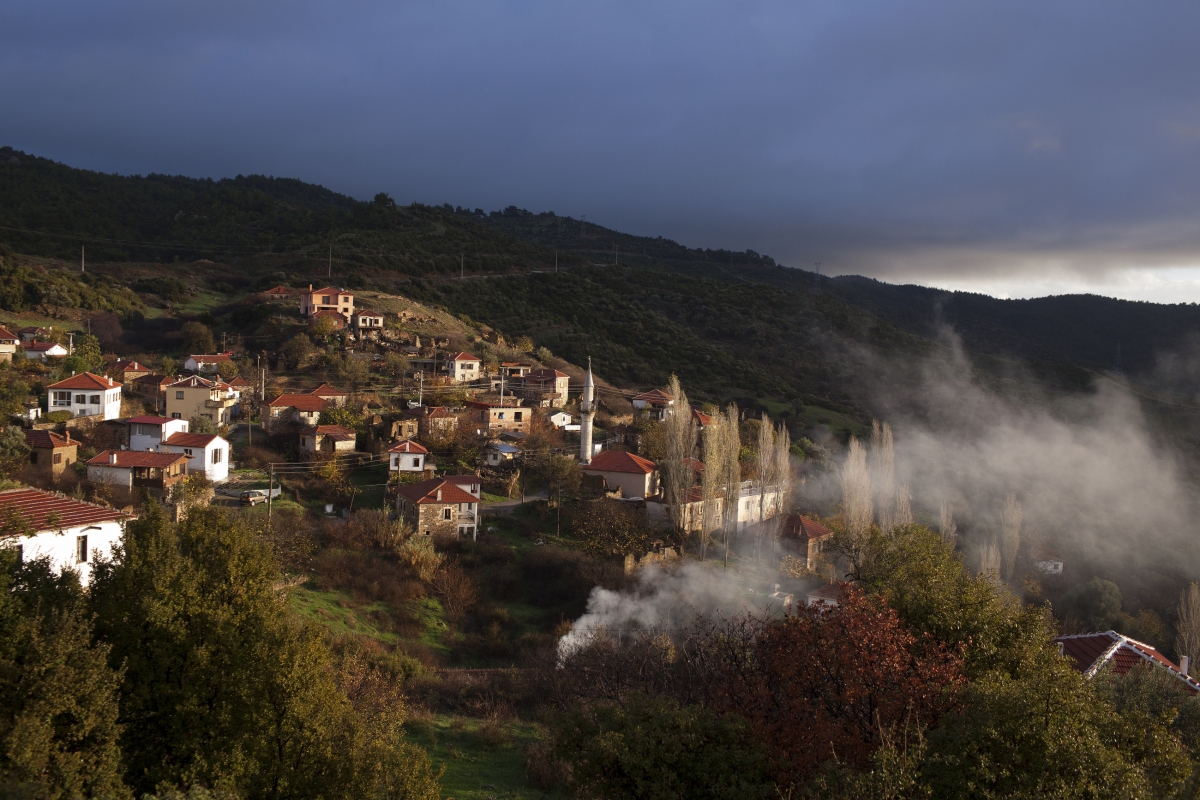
(680, 444)
(733, 475)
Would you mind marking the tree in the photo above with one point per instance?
(197, 338)
(857, 507)
(607, 527)
(58, 695)
(524, 344)
(676, 474)
(297, 350)
(199, 424)
(653, 747)
(1187, 642)
(222, 686)
(712, 479)
(86, 357)
(13, 392)
(14, 453)
(732, 478)
(324, 327)
(544, 355)
(396, 366)
(346, 417)
(831, 683)
(1093, 605)
(562, 475)
(457, 592)
(883, 473)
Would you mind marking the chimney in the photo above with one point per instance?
(1185, 663)
(68, 435)
(439, 495)
(112, 458)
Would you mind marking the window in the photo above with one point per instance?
(417, 461)
(179, 395)
(62, 398)
(81, 549)
(95, 400)
(187, 451)
(33, 457)
(217, 456)
(445, 513)
(500, 415)
(325, 299)
(58, 458)
(176, 415)
(517, 416)
(81, 399)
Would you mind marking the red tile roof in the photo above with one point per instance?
(434, 412)
(326, 290)
(48, 440)
(240, 382)
(211, 359)
(804, 528)
(327, 312)
(426, 492)
(132, 366)
(1090, 652)
(407, 446)
(656, 396)
(617, 461)
(34, 506)
(701, 419)
(191, 439)
(159, 379)
(136, 458)
(8, 335)
(85, 380)
(546, 374)
(465, 357)
(329, 430)
(300, 402)
(325, 390)
(366, 312)
(39, 347)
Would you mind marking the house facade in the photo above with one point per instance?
(86, 395)
(434, 420)
(807, 537)
(327, 440)
(546, 388)
(72, 534)
(497, 418)
(8, 344)
(437, 507)
(304, 409)
(41, 351)
(407, 456)
(634, 475)
(332, 396)
(208, 364)
(201, 397)
(326, 299)
(207, 453)
(49, 453)
(133, 469)
(655, 404)
(148, 433)
(366, 322)
(464, 368)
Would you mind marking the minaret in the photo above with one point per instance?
(587, 411)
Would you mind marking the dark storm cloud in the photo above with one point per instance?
(933, 138)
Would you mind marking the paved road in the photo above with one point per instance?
(507, 506)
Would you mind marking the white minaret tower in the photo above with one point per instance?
(587, 411)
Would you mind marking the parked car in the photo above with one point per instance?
(253, 497)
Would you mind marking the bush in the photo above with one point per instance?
(57, 416)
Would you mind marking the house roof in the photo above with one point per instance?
(501, 447)
(34, 506)
(366, 312)
(656, 396)
(618, 461)
(701, 419)
(240, 383)
(1090, 652)
(546, 374)
(465, 357)
(5, 333)
(39, 347)
(430, 411)
(407, 446)
(85, 380)
(150, 420)
(329, 430)
(325, 390)
(212, 358)
(136, 458)
(426, 492)
(831, 592)
(191, 439)
(326, 290)
(300, 402)
(804, 528)
(159, 379)
(132, 366)
(48, 440)
(695, 464)
(193, 382)
(461, 480)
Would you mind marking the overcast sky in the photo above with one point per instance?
(1019, 148)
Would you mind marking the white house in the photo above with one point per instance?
(137, 469)
(407, 456)
(148, 433)
(636, 476)
(464, 368)
(8, 344)
(208, 363)
(72, 534)
(86, 395)
(750, 509)
(43, 350)
(366, 322)
(499, 454)
(207, 453)
(563, 421)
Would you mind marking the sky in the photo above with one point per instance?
(1019, 149)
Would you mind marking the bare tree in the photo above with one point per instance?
(733, 475)
(946, 526)
(783, 479)
(903, 513)
(455, 589)
(883, 473)
(680, 445)
(766, 476)
(989, 558)
(1010, 526)
(856, 490)
(715, 455)
(1187, 642)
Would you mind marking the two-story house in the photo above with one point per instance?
(634, 475)
(130, 371)
(304, 409)
(332, 396)
(464, 368)
(207, 453)
(546, 388)
(655, 404)
(407, 457)
(500, 417)
(156, 472)
(326, 299)
(433, 420)
(8, 344)
(330, 440)
(437, 506)
(86, 395)
(201, 397)
(148, 433)
(366, 322)
(49, 453)
(72, 534)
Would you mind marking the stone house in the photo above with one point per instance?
(437, 506)
(49, 453)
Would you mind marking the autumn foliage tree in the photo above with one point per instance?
(831, 682)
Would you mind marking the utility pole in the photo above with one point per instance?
(270, 492)
(71, 340)
(82, 260)
(330, 273)
(222, 340)
(555, 262)
(420, 389)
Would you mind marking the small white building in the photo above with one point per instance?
(563, 421)
(499, 454)
(148, 433)
(72, 534)
(40, 351)
(86, 395)
(750, 509)
(407, 456)
(636, 476)
(155, 471)
(207, 453)
(464, 368)
(208, 363)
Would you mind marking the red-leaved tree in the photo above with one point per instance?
(832, 682)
